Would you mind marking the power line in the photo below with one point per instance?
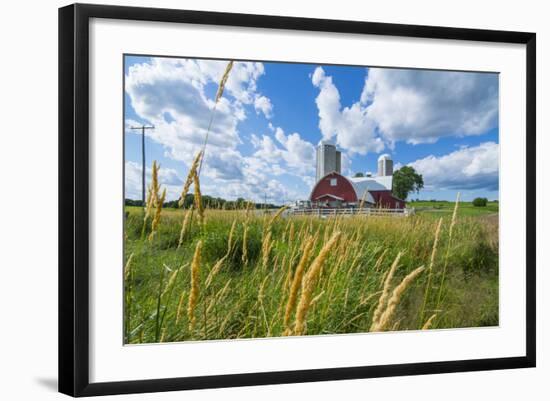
(143, 128)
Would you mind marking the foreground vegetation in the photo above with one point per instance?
(247, 273)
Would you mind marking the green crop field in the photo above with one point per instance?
(248, 274)
(442, 208)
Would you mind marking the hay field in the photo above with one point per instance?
(248, 274)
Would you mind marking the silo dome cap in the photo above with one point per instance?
(385, 156)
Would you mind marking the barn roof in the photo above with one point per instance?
(360, 194)
(380, 183)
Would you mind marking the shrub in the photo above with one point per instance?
(480, 202)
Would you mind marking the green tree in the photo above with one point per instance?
(357, 175)
(480, 202)
(405, 181)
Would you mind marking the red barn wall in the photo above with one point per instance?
(343, 188)
(385, 199)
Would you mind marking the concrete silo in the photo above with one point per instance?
(385, 165)
(329, 159)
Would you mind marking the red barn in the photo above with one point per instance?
(335, 191)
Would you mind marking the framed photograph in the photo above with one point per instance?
(251, 199)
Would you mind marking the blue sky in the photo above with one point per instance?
(272, 115)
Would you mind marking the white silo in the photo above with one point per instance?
(328, 159)
(385, 165)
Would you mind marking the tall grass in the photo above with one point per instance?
(250, 273)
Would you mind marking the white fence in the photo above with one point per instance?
(353, 211)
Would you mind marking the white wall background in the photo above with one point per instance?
(28, 199)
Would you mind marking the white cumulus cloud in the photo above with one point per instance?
(468, 168)
(351, 127)
(413, 106)
(295, 154)
(263, 104)
(172, 95)
(420, 106)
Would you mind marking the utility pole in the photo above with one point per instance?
(143, 128)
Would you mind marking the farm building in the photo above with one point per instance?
(334, 190)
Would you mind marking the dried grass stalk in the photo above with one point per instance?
(455, 213)
(380, 260)
(155, 187)
(156, 220)
(148, 204)
(385, 291)
(244, 256)
(430, 268)
(451, 227)
(267, 244)
(152, 197)
(428, 323)
(297, 280)
(215, 270)
(198, 198)
(171, 281)
(291, 233)
(230, 238)
(189, 179)
(279, 212)
(225, 76)
(309, 282)
(185, 225)
(194, 291)
(395, 298)
(316, 299)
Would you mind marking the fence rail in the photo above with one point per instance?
(353, 211)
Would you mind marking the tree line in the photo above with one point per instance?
(210, 202)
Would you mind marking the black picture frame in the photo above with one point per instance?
(74, 201)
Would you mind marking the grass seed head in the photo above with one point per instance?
(215, 270)
(244, 256)
(156, 218)
(155, 188)
(428, 323)
(190, 178)
(297, 280)
(385, 291)
(225, 76)
(309, 282)
(267, 244)
(185, 225)
(436, 240)
(276, 215)
(455, 213)
(230, 238)
(386, 317)
(198, 198)
(194, 291)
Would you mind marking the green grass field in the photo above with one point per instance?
(256, 277)
(441, 208)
